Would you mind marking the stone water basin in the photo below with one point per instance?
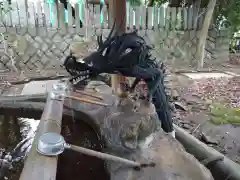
(120, 131)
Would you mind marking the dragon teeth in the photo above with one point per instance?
(78, 79)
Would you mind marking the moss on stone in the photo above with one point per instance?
(221, 114)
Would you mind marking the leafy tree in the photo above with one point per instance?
(227, 12)
(229, 15)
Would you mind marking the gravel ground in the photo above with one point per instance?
(193, 102)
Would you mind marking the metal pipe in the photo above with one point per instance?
(221, 167)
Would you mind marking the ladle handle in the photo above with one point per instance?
(103, 156)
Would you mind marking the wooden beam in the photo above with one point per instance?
(117, 13)
(39, 167)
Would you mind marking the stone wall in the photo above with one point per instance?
(42, 48)
(179, 48)
(220, 48)
(32, 49)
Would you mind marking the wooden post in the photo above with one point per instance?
(37, 166)
(117, 13)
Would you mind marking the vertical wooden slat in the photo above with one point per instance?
(70, 17)
(7, 17)
(185, 14)
(62, 24)
(155, 18)
(137, 17)
(87, 22)
(161, 17)
(190, 18)
(84, 15)
(91, 16)
(174, 17)
(31, 20)
(17, 14)
(179, 24)
(34, 15)
(97, 16)
(39, 13)
(143, 17)
(134, 16)
(55, 15)
(81, 11)
(47, 14)
(167, 18)
(45, 20)
(105, 17)
(130, 17)
(77, 18)
(10, 16)
(26, 11)
(150, 18)
(22, 13)
(127, 15)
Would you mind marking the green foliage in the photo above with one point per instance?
(135, 2)
(221, 114)
(149, 2)
(4, 9)
(230, 15)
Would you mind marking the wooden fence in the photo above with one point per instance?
(40, 14)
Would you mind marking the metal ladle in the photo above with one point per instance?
(53, 144)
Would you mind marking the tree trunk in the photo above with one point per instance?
(204, 33)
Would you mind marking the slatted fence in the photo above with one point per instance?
(40, 14)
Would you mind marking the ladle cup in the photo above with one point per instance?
(53, 144)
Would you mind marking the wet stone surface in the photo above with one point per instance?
(124, 130)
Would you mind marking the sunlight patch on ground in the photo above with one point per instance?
(38, 87)
(200, 75)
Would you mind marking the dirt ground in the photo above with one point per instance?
(194, 102)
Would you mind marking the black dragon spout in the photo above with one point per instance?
(129, 55)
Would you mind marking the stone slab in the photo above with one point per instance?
(38, 87)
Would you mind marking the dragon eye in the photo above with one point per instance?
(128, 50)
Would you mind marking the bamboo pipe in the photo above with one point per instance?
(221, 167)
(36, 164)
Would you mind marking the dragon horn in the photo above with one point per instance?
(99, 41)
(108, 38)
